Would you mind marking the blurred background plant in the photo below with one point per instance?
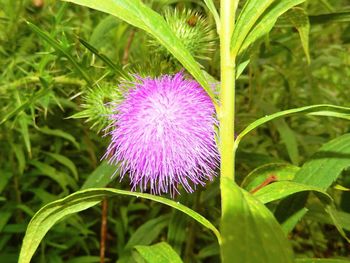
(68, 61)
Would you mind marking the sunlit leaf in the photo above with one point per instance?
(159, 253)
(321, 109)
(343, 17)
(139, 15)
(47, 216)
(279, 190)
(249, 15)
(244, 222)
(300, 20)
(265, 23)
(214, 12)
(324, 167)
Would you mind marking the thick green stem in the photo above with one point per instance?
(227, 95)
(226, 117)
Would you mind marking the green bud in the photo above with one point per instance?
(195, 32)
(99, 103)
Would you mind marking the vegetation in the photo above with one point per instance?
(277, 73)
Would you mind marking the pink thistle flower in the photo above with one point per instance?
(163, 135)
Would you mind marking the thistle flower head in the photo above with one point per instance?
(196, 34)
(164, 135)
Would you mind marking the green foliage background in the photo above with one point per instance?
(46, 155)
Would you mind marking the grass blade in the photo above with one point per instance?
(60, 49)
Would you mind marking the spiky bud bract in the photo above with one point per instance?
(192, 28)
(98, 105)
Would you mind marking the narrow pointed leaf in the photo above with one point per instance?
(321, 260)
(279, 190)
(105, 59)
(325, 109)
(47, 216)
(340, 17)
(267, 21)
(58, 47)
(324, 167)
(214, 12)
(300, 20)
(249, 15)
(139, 15)
(101, 176)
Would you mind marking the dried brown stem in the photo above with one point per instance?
(127, 48)
(103, 231)
(268, 180)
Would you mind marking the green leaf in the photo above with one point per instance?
(321, 216)
(326, 165)
(313, 109)
(51, 172)
(251, 12)
(66, 162)
(300, 20)
(59, 133)
(85, 259)
(102, 29)
(176, 236)
(340, 17)
(144, 235)
(47, 216)
(289, 139)
(265, 22)
(101, 176)
(330, 114)
(149, 231)
(209, 251)
(289, 224)
(21, 160)
(36, 96)
(279, 190)
(250, 233)
(341, 188)
(105, 59)
(58, 47)
(241, 67)
(287, 135)
(332, 212)
(159, 253)
(24, 121)
(139, 15)
(214, 12)
(321, 260)
(5, 179)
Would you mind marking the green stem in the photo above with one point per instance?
(226, 118)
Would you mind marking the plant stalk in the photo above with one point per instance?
(103, 230)
(226, 118)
